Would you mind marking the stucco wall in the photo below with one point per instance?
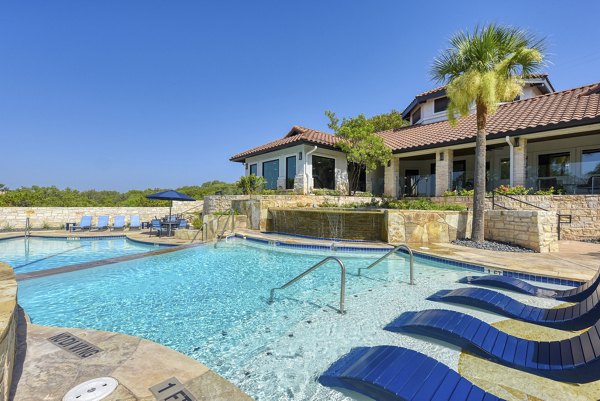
(584, 209)
(54, 217)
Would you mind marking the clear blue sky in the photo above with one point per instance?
(120, 94)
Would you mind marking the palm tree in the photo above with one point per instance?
(484, 68)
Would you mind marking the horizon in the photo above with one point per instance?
(123, 96)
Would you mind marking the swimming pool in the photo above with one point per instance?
(211, 305)
(40, 253)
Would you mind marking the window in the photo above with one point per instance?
(590, 163)
(323, 172)
(440, 104)
(416, 116)
(554, 165)
(253, 169)
(504, 169)
(459, 168)
(271, 174)
(290, 172)
(357, 175)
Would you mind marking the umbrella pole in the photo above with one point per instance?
(170, 207)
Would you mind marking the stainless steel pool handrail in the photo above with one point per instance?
(231, 216)
(393, 251)
(203, 230)
(313, 268)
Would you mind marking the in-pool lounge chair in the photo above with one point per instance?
(575, 360)
(388, 373)
(576, 317)
(514, 284)
(134, 222)
(102, 223)
(84, 224)
(118, 223)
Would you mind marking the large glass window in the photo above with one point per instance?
(554, 165)
(253, 169)
(290, 172)
(590, 163)
(323, 172)
(271, 173)
(459, 169)
(505, 169)
(440, 104)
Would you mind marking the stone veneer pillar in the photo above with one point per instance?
(443, 169)
(391, 178)
(520, 163)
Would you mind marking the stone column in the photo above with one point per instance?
(443, 170)
(391, 177)
(369, 177)
(520, 163)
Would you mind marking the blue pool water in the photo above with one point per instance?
(35, 253)
(211, 305)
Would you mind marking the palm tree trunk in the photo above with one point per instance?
(477, 232)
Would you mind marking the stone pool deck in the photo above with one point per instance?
(43, 371)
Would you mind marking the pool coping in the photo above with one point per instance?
(478, 267)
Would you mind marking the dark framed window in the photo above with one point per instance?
(416, 116)
(253, 169)
(459, 168)
(590, 162)
(440, 104)
(554, 164)
(504, 169)
(323, 172)
(290, 172)
(271, 173)
(357, 175)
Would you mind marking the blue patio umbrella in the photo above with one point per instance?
(170, 195)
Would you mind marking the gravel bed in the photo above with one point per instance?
(491, 246)
(592, 240)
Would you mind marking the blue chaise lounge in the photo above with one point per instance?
(84, 224)
(389, 373)
(575, 360)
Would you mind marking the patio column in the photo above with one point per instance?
(391, 177)
(520, 162)
(443, 168)
(369, 177)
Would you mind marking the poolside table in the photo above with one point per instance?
(69, 225)
(170, 225)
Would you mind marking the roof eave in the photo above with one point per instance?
(242, 159)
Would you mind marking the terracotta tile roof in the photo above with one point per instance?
(296, 136)
(432, 91)
(570, 107)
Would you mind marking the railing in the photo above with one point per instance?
(230, 216)
(313, 268)
(204, 232)
(27, 227)
(393, 251)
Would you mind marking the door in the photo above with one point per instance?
(411, 181)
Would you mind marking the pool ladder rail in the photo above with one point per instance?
(313, 268)
(393, 251)
(230, 216)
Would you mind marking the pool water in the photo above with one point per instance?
(34, 253)
(211, 304)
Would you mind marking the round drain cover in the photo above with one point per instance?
(92, 390)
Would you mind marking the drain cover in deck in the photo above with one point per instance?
(92, 390)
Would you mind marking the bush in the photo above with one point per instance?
(517, 190)
(323, 192)
(460, 192)
(420, 204)
(251, 184)
(197, 221)
(549, 191)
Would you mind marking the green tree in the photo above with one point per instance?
(483, 68)
(251, 184)
(388, 121)
(360, 143)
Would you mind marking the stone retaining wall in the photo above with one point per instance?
(425, 226)
(533, 229)
(55, 217)
(8, 327)
(584, 209)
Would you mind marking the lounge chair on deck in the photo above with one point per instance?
(514, 284)
(118, 223)
(84, 224)
(102, 223)
(576, 317)
(388, 373)
(575, 360)
(134, 222)
(183, 224)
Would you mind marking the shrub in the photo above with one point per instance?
(420, 204)
(45, 225)
(517, 190)
(251, 184)
(197, 221)
(323, 192)
(363, 194)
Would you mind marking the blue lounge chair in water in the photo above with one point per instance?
(389, 373)
(576, 317)
(134, 222)
(118, 223)
(102, 223)
(514, 284)
(575, 360)
(84, 224)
